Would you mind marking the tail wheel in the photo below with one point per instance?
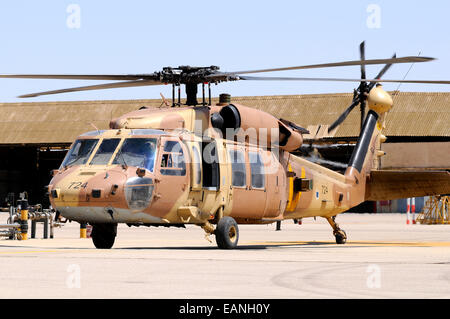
(227, 233)
(104, 235)
(341, 237)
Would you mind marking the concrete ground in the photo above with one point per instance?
(383, 258)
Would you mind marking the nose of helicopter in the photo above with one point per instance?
(87, 194)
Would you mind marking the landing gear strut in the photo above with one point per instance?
(339, 234)
(226, 232)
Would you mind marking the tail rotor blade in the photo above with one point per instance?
(344, 115)
(381, 73)
(363, 86)
(362, 53)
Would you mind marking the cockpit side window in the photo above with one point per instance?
(80, 152)
(139, 152)
(105, 151)
(172, 160)
(172, 146)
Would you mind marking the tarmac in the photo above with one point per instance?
(383, 258)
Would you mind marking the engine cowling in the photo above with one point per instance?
(255, 126)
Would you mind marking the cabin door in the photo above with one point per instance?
(248, 183)
(172, 175)
(210, 177)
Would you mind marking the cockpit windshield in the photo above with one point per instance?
(80, 152)
(105, 151)
(139, 152)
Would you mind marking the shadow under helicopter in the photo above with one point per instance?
(256, 246)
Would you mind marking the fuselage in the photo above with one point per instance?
(184, 179)
(170, 172)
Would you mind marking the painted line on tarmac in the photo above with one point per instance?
(402, 244)
(28, 252)
(354, 243)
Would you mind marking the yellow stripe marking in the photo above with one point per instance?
(291, 190)
(297, 197)
(293, 201)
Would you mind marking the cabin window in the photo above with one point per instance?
(139, 152)
(198, 166)
(105, 151)
(257, 170)
(80, 152)
(238, 177)
(172, 160)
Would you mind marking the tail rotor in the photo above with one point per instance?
(361, 94)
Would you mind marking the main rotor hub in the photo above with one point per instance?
(186, 74)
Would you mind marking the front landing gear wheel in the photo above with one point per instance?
(341, 237)
(227, 233)
(104, 235)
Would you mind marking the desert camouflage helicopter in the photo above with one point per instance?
(218, 166)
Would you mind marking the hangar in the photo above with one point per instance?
(34, 136)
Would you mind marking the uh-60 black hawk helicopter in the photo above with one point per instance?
(218, 166)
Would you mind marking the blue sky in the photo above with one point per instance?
(127, 37)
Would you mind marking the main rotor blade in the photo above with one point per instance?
(96, 87)
(272, 78)
(408, 59)
(344, 115)
(100, 77)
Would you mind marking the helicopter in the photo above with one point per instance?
(219, 166)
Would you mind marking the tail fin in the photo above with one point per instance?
(361, 154)
(364, 157)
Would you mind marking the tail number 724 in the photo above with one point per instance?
(77, 185)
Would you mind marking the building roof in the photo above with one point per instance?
(415, 114)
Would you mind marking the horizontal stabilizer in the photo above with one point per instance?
(396, 184)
